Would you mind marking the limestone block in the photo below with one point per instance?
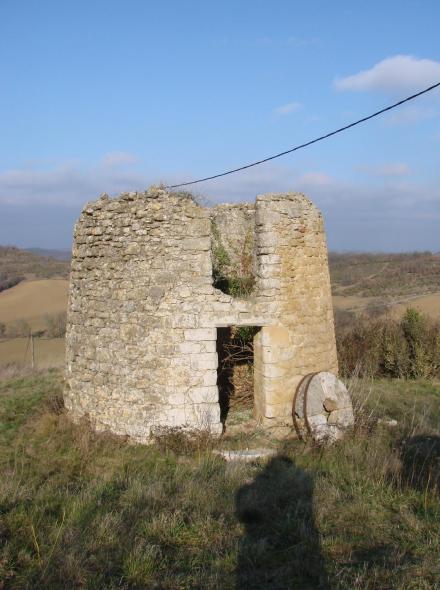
(178, 398)
(203, 395)
(282, 411)
(209, 378)
(200, 334)
(208, 346)
(272, 283)
(197, 244)
(207, 417)
(203, 361)
(179, 320)
(275, 336)
(191, 347)
(273, 370)
(132, 248)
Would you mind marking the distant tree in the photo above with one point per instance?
(414, 326)
(18, 329)
(56, 325)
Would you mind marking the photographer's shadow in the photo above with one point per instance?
(281, 548)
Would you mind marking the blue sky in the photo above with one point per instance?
(107, 96)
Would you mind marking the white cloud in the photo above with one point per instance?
(393, 74)
(118, 159)
(68, 183)
(409, 115)
(287, 109)
(395, 213)
(391, 169)
(312, 179)
(392, 215)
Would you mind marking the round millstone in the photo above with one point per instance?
(322, 408)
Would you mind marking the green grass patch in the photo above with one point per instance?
(20, 397)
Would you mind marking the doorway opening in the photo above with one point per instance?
(235, 373)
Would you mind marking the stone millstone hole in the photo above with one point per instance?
(235, 373)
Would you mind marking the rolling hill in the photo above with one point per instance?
(17, 265)
(381, 275)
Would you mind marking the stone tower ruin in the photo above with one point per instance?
(143, 312)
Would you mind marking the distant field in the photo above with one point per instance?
(32, 300)
(18, 265)
(32, 265)
(360, 282)
(64, 255)
(426, 304)
(47, 353)
(384, 275)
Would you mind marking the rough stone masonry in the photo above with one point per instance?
(143, 312)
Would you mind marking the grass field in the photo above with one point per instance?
(358, 280)
(80, 510)
(32, 300)
(426, 304)
(379, 275)
(47, 353)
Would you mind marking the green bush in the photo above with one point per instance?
(408, 348)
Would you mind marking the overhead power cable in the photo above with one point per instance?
(303, 145)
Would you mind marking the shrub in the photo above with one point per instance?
(408, 348)
(344, 318)
(8, 280)
(18, 329)
(56, 325)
